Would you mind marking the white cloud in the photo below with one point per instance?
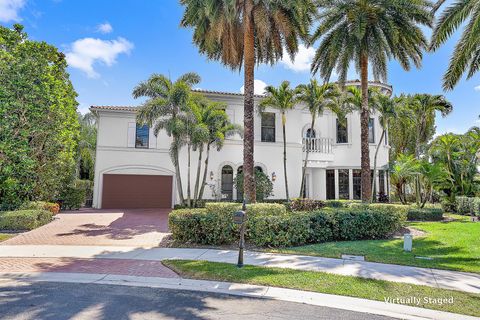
(258, 87)
(104, 28)
(477, 88)
(9, 10)
(303, 59)
(84, 53)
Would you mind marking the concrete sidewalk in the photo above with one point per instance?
(243, 290)
(462, 281)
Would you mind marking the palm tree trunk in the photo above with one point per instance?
(374, 182)
(189, 196)
(197, 180)
(177, 172)
(284, 120)
(307, 152)
(205, 171)
(248, 104)
(364, 118)
(418, 192)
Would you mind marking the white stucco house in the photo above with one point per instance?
(133, 168)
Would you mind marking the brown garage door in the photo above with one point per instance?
(136, 191)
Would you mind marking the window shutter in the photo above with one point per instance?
(131, 134)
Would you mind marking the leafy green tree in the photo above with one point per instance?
(244, 33)
(467, 51)
(263, 184)
(38, 120)
(317, 98)
(165, 109)
(87, 146)
(282, 99)
(369, 33)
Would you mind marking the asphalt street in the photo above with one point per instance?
(56, 301)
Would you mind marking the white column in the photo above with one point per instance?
(319, 184)
(337, 196)
(350, 184)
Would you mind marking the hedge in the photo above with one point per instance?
(467, 205)
(425, 214)
(41, 205)
(271, 225)
(24, 219)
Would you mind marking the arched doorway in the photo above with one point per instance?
(227, 183)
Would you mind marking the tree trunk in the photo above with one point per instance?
(248, 104)
(205, 171)
(307, 152)
(189, 195)
(364, 118)
(197, 180)
(418, 191)
(374, 182)
(177, 172)
(284, 121)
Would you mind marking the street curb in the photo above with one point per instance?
(244, 290)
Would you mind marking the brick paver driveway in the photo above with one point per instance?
(135, 227)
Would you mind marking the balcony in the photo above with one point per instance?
(320, 151)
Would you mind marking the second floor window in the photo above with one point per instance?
(141, 136)
(268, 127)
(371, 130)
(342, 131)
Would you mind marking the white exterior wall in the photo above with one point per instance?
(115, 154)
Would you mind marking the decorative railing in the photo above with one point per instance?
(319, 145)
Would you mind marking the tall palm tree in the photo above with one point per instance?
(402, 171)
(369, 33)
(316, 98)
(467, 51)
(244, 33)
(386, 107)
(163, 110)
(282, 99)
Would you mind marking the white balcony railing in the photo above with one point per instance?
(317, 145)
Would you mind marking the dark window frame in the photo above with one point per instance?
(343, 184)
(342, 139)
(330, 184)
(357, 184)
(142, 144)
(266, 129)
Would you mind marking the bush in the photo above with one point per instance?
(73, 197)
(263, 184)
(425, 214)
(339, 203)
(467, 205)
(271, 225)
(24, 219)
(41, 205)
(300, 204)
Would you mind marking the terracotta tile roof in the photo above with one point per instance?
(114, 108)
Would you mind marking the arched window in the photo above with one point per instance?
(310, 133)
(227, 183)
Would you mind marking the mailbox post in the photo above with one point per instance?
(239, 218)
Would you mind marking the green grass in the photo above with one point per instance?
(453, 245)
(463, 302)
(5, 236)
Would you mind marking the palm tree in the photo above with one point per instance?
(282, 99)
(402, 171)
(386, 107)
(244, 33)
(163, 110)
(369, 33)
(316, 98)
(467, 51)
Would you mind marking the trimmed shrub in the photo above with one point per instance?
(41, 205)
(300, 204)
(467, 205)
(340, 203)
(73, 197)
(24, 219)
(274, 209)
(322, 226)
(425, 214)
(279, 230)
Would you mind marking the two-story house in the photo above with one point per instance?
(133, 167)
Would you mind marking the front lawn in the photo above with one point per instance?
(453, 245)
(6, 236)
(463, 302)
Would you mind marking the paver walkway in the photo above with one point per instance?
(469, 282)
(139, 227)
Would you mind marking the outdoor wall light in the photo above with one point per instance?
(274, 176)
(211, 175)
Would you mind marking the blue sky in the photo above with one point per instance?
(112, 45)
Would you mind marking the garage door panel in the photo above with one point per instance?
(136, 191)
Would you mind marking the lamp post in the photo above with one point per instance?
(239, 217)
